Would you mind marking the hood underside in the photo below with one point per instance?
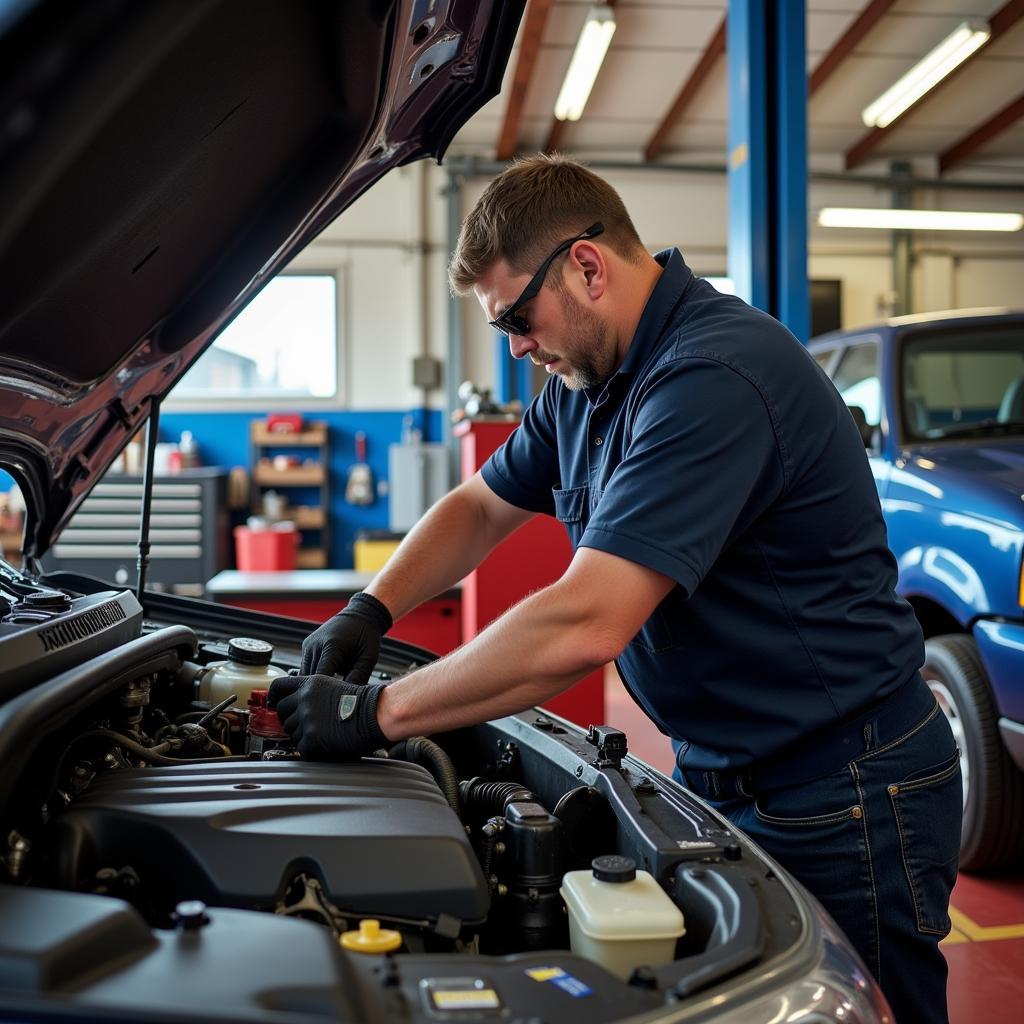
(160, 162)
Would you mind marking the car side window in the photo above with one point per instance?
(856, 380)
(824, 358)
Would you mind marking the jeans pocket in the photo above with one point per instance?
(789, 807)
(930, 854)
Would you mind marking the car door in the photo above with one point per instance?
(856, 375)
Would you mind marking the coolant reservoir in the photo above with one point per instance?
(248, 668)
(620, 917)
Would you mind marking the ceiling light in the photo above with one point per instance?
(591, 47)
(926, 74)
(919, 220)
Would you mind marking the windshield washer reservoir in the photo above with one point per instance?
(620, 917)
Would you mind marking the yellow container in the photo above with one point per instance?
(370, 555)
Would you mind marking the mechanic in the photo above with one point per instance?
(730, 556)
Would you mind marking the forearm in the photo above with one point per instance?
(536, 650)
(453, 537)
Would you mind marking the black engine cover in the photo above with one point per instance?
(378, 834)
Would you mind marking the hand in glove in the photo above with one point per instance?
(328, 719)
(348, 643)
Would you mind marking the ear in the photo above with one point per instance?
(589, 261)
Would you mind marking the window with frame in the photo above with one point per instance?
(824, 358)
(856, 380)
(283, 344)
(958, 381)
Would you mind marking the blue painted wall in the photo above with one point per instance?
(223, 439)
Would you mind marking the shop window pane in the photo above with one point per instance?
(282, 345)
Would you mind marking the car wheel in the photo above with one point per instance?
(993, 828)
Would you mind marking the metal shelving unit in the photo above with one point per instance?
(310, 445)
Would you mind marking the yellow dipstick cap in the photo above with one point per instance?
(371, 938)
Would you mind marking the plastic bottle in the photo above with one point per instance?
(189, 450)
(620, 917)
(248, 668)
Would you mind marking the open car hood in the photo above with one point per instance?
(160, 162)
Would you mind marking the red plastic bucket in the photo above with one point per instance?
(268, 550)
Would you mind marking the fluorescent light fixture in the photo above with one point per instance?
(586, 61)
(926, 73)
(919, 220)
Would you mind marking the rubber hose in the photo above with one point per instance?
(493, 796)
(149, 754)
(420, 750)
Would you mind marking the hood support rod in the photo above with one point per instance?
(152, 435)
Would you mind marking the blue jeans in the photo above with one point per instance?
(877, 842)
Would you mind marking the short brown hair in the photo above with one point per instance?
(528, 209)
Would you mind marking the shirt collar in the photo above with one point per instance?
(668, 290)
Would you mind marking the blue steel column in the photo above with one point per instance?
(513, 378)
(768, 158)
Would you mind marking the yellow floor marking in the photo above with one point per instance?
(966, 930)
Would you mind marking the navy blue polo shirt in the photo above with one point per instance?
(720, 455)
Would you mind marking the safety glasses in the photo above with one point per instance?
(512, 322)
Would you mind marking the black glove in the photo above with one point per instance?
(328, 719)
(348, 643)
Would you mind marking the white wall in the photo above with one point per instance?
(393, 309)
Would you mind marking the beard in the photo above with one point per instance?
(587, 350)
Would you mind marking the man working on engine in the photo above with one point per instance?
(730, 555)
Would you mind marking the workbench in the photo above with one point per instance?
(316, 594)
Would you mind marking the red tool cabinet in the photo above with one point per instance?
(532, 557)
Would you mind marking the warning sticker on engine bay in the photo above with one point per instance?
(448, 995)
(565, 981)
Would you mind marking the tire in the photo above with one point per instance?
(993, 827)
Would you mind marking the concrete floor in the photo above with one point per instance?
(985, 951)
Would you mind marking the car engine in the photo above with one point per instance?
(153, 787)
(157, 830)
(245, 835)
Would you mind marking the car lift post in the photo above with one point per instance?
(767, 157)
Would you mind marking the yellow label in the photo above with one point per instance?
(545, 973)
(739, 156)
(466, 999)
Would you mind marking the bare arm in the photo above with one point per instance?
(539, 648)
(450, 541)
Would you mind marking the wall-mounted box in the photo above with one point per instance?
(417, 477)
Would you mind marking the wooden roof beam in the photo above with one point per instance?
(1005, 18)
(973, 141)
(847, 43)
(712, 52)
(529, 50)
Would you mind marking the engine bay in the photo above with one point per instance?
(155, 818)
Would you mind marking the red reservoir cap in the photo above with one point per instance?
(262, 720)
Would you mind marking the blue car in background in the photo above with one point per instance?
(939, 399)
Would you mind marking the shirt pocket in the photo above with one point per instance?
(571, 510)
